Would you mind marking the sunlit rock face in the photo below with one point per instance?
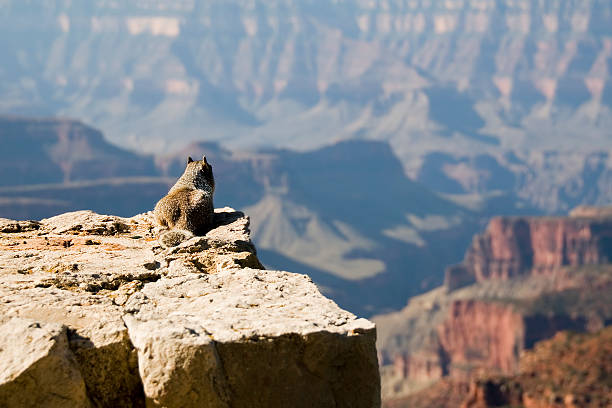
(94, 312)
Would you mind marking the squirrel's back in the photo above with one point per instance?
(189, 203)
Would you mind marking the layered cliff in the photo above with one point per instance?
(95, 313)
(529, 246)
(522, 281)
(233, 65)
(570, 370)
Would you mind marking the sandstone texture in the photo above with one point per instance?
(94, 312)
(523, 280)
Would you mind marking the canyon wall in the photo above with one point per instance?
(522, 281)
(480, 335)
(569, 370)
(522, 246)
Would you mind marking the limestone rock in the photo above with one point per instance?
(115, 320)
(220, 248)
(38, 368)
(86, 222)
(266, 332)
(96, 336)
(7, 225)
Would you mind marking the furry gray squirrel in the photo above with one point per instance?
(187, 209)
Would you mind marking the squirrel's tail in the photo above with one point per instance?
(174, 237)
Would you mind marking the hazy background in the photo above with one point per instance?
(368, 140)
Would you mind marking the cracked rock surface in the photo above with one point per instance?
(94, 312)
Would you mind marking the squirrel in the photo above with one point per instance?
(187, 209)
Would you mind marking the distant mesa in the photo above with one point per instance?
(61, 150)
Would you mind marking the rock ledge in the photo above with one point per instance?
(94, 312)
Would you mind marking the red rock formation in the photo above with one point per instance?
(444, 393)
(458, 276)
(568, 371)
(423, 366)
(486, 327)
(519, 246)
(479, 336)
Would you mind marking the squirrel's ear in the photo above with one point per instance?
(204, 159)
(189, 160)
